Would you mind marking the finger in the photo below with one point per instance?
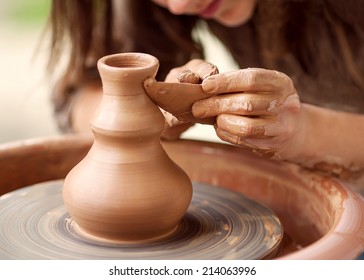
(251, 144)
(202, 68)
(172, 76)
(249, 79)
(187, 76)
(246, 104)
(174, 132)
(244, 127)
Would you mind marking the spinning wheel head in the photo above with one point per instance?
(219, 224)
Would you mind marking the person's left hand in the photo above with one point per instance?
(255, 108)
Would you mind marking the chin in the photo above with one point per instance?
(231, 23)
(229, 20)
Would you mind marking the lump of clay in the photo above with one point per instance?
(178, 98)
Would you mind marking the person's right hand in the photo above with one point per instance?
(255, 108)
(175, 126)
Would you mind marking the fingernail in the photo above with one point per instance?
(209, 85)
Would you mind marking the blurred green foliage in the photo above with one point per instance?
(24, 12)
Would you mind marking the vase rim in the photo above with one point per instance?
(130, 61)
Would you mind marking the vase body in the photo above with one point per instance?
(127, 188)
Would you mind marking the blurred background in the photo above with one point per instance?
(25, 108)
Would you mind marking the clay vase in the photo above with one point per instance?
(127, 188)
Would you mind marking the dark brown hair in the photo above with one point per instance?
(319, 43)
(91, 27)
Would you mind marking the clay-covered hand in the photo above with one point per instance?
(175, 97)
(255, 108)
(201, 68)
(173, 128)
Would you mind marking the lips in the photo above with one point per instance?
(211, 9)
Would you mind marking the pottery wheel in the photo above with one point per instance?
(219, 224)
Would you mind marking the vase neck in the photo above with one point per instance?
(124, 74)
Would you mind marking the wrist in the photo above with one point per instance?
(307, 141)
(328, 142)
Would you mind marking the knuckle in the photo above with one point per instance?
(247, 130)
(175, 71)
(194, 61)
(286, 81)
(252, 76)
(292, 104)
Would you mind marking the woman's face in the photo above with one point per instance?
(227, 12)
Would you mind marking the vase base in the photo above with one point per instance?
(83, 232)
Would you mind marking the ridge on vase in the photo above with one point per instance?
(127, 188)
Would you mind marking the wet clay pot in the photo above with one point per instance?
(127, 188)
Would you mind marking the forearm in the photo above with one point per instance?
(333, 142)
